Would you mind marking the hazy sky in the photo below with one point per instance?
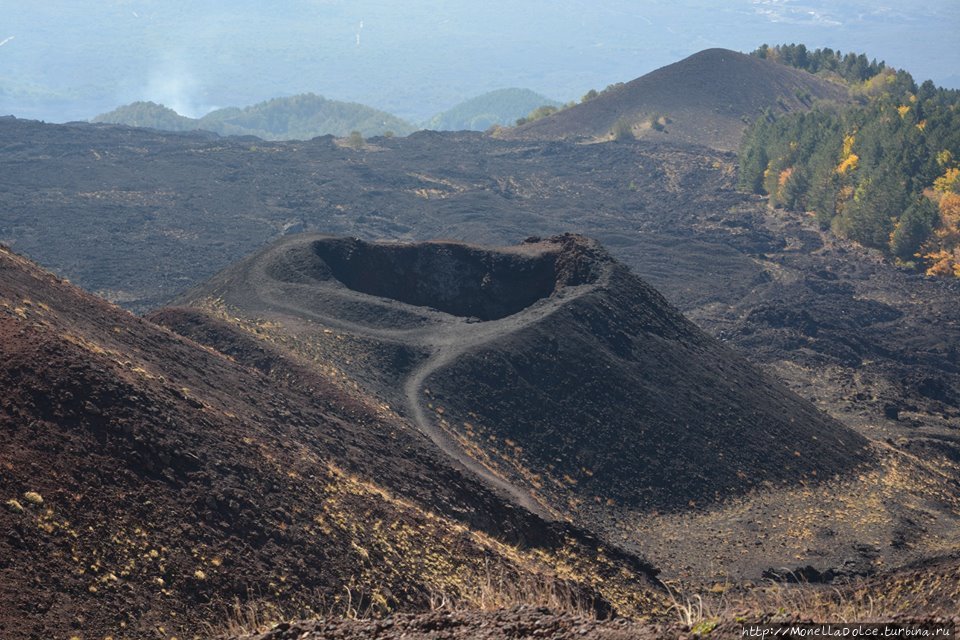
(63, 60)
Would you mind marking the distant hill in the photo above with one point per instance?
(150, 115)
(304, 116)
(295, 118)
(708, 98)
(503, 106)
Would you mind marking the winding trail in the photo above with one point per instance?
(443, 336)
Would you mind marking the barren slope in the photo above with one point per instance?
(708, 98)
(149, 482)
(547, 369)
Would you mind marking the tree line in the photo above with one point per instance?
(852, 67)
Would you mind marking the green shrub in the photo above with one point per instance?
(622, 130)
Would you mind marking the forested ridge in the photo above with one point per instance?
(500, 107)
(882, 171)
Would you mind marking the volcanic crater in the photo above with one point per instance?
(454, 278)
(149, 483)
(546, 368)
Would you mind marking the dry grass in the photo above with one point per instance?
(500, 588)
(245, 618)
(825, 604)
(259, 614)
(497, 588)
(822, 604)
(690, 610)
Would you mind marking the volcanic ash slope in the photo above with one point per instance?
(547, 369)
(149, 485)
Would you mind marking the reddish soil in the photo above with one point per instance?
(149, 482)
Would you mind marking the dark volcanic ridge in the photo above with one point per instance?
(149, 483)
(546, 368)
(708, 98)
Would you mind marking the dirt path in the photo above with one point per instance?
(413, 390)
(445, 338)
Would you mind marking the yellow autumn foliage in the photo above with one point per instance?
(844, 195)
(849, 163)
(944, 263)
(948, 181)
(784, 176)
(950, 210)
(850, 159)
(848, 145)
(944, 255)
